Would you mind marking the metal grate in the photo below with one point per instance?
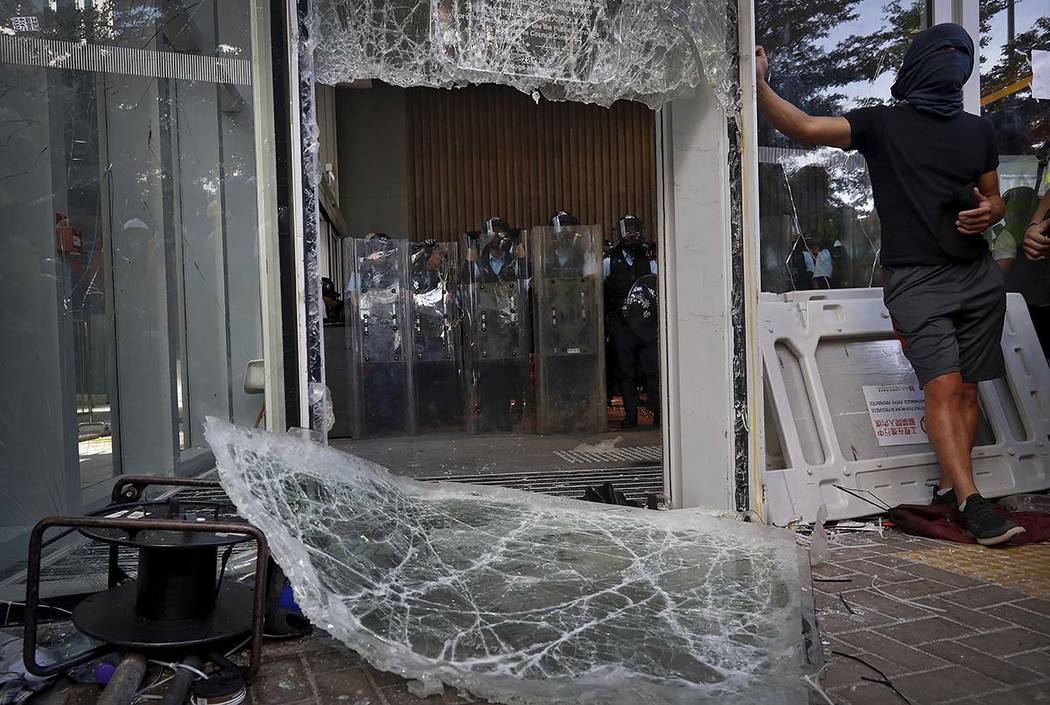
(635, 454)
(634, 482)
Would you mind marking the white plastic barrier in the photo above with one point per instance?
(820, 349)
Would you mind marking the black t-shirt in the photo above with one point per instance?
(919, 165)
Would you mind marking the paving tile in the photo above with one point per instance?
(874, 666)
(865, 693)
(941, 576)
(964, 615)
(350, 686)
(841, 553)
(1038, 661)
(885, 549)
(880, 603)
(841, 672)
(281, 681)
(1007, 641)
(382, 679)
(891, 560)
(1034, 604)
(1037, 694)
(904, 656)
(922, 631)
(829, 570)
(329, 655)
(823, 602)
(984, 596)
(843, 583)
(293, 647)
(1009, 672)
(1029, 620)
(943, 684)
(839, 622)
(915, 588)
(885, 574)
(399, 695)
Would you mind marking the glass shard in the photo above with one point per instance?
(589, 51)
(518, 597)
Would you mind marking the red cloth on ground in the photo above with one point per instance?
(945, 521)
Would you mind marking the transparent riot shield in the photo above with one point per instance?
(569, 331)
(435, 326)
(376, 309)
(498, 335)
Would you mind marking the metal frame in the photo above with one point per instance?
(266, 209)
(36, 546)
(752, 246)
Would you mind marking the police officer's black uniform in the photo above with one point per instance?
(636, 348)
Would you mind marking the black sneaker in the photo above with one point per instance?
(948, 497)
(986, 524)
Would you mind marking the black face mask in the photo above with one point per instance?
(935, 67)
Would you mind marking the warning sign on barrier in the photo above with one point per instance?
(898, 413)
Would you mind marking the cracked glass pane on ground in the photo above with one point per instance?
(519, 597)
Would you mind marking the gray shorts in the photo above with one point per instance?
(949, 317)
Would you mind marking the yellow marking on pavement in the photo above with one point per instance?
(1022, 568)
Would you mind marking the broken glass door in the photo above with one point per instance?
(129, 292)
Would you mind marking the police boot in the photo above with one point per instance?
(630, 419)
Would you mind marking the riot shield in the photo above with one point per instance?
(376, 309)
(569, 331)
(435, 326)
(498, 335)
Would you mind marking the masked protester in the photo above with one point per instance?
(630, 318)
(933, 175)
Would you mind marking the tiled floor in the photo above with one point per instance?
(903, 621)
(906, 620)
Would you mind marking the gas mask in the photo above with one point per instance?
(632, 244)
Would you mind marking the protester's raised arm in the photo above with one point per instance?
(799, 126)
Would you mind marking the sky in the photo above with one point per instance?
(869, 19)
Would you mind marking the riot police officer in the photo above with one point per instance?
(567, 349)
(434, 318)
(375, 299)
(499, 330)
(631, 317)
(567, 259)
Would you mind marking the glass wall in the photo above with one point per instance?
(129, 289)
(818, 223)
(1010, 29)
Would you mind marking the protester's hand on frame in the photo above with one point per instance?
(976, 221)
(761, 64)
(1036, 240)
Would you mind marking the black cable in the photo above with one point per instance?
(885, 680)
(222, 571)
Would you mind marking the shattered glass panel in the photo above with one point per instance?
(590, 51)
(819, 228)
(523, 598)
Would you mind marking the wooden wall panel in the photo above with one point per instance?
(486, 151)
